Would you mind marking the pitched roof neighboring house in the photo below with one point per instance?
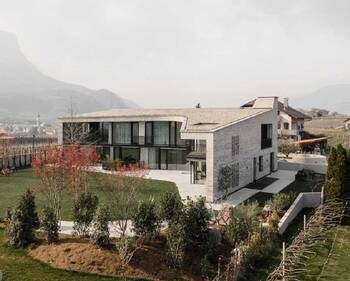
(296, 114)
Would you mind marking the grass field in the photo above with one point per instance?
(13, 186)
(17, 265)
(338, 266)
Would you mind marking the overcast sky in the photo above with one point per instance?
(179, 52)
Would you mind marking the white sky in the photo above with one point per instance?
(179, 52)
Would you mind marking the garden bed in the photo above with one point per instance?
(149, 262)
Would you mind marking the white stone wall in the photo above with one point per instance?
(249, 132)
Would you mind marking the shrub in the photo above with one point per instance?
(273, 221)
(17, 236)
(125, 250)
(27, 205)
(205, 266)
(332, 189)
(49, 224)
(83, 212)
(243, 222)
(281, 202)
(176, 242)
(171, 207)
(100, 231)
(287, 147)
(23, 221)
(196, 218)
(111, 165)
(145, 220)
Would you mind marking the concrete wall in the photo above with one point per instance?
(249, 132)
(304, 200)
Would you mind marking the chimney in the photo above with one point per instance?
(285, 102)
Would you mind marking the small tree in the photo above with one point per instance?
(100, 230)
(145, 220)
(122, 190)
(281, 202)
(171, 207)
(197, 218)
(49, 224)
(126, 249)
(332, 189)
(225, 178)
(23, 221)
(83, 213)
(287, 147)
(16, 230)
(176, 243)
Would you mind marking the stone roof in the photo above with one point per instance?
(296, 114)
(195, 119)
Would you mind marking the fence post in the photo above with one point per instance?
(283, 260)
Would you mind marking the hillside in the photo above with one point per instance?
(25, 91)
(332, 98)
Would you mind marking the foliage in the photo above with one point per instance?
(122, 191)
(83, 212)
(196, 218)
(281, 202)
(125, 249)
(111, 165)
(287, 147)
(243, 222)
(225, 178)
(273, 221)
(62, 167)
(145, 220)
(205, 266)
(100, 230)
(176, 243)
(49, 224)
(336, 173)
(27, 205)
(17, 234)
(171, 207)
(23, 221)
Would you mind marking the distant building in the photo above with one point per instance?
(205, 142)
(290, 121)
(347, 124)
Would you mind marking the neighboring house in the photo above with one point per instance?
(290, 120)
(347, 124)
(202, 141)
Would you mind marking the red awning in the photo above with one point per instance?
(307, 141)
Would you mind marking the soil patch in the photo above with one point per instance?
(148, 262)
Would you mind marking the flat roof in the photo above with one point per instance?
(195, 119)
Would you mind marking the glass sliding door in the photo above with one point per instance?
(153, 158)
(149, 133)
(122, 133)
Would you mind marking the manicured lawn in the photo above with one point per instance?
(338, 266)
(12, 187)
(17, 265)
(296, 187)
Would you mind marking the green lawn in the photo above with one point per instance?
(17, 265)
(12, 187)
(338, 267)
(298, 186)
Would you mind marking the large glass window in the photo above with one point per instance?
(161, 133)
(172, 133)
(176, 159)
(153, 158)
(149, 133)
(266, 136)
(122, 133)
(135, 132)
(129, 155)
(104, 132)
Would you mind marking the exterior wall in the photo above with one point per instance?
(249, 132)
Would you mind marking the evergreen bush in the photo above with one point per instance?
(49, 224)
(100, 229)
(145, 220)
(171, 207)
(176, 244)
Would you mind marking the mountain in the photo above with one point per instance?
(25, 91)
(333, 98)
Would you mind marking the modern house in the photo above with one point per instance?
(202, 141)
(290, 120)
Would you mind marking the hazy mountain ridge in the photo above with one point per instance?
(332, 97)
(25, 91)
